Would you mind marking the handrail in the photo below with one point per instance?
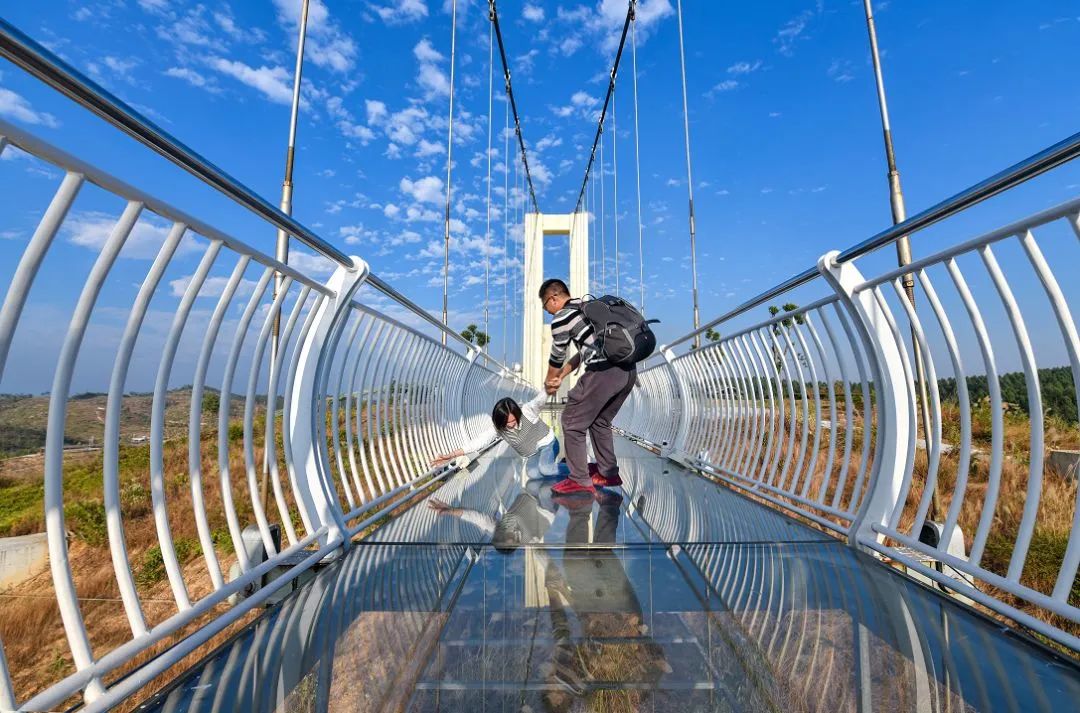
(1030, 167)
(37, 60)
(32, 57)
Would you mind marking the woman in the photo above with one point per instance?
(524, 430)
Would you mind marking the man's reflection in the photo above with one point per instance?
(598, 629)
(591, 596)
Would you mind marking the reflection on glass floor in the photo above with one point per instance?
(502, 598)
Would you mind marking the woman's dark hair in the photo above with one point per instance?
(501, 413)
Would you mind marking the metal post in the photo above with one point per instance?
(899, 214)
(282, 249)
(689, 182)
(449, 166)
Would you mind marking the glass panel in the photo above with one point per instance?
(563, 604)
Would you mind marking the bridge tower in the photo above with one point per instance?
(536, 334)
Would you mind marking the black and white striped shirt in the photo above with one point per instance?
(570, 325)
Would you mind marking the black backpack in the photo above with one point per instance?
(623, 336)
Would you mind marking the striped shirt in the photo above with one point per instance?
(570, 325)
(531, 435)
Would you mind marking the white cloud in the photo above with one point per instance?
(391, 210)
(16, 107)
(190, 76)
(548, 142)
(793, 30)
(532, 13)
(211, 286)
(327, 45)
(744, 67)
(376, 111)
(433, 81)
(428, 189)
(607, 23)
(402, 12)
(405, 126)
(121, 68)
(429, 148)
(424, 52)
(840, 70)
(190, 29)
(272, 82)
(725, 86)
(310, 264)
(154, 5)
(227, 23)
(91, 230)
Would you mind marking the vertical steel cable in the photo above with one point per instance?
(514, 267)
(615, 182)
(603, 218)
(506, 226)
(689, 176)
(487, 229)
(449, 166)
(637, 168)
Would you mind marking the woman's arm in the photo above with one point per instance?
(446, 458)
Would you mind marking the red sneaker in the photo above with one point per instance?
(608, 481)
(594, 470)
(569, 487)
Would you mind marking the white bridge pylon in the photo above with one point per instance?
(537, 337)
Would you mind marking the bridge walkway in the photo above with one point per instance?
(666, 594)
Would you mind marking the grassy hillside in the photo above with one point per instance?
(23, 418)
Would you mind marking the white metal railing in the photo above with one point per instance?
(396, 395)
(816, 411)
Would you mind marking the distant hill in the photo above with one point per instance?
(23, 418)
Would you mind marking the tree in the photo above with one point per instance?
(712, 335)
(473, 335)
(787, 323)
(211, 402)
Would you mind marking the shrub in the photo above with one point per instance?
(87, 520)
(152, 569)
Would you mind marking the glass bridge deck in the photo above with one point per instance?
(666, 594)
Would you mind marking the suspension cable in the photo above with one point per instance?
(506, 226)
(493, 15)
(611, 88)
(590, 224)
(487, 229)
(689, 178)
(637, 170)
(615, 180)
(449, 166)
(603, 220)
(513, 245)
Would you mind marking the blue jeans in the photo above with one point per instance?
(549, 466)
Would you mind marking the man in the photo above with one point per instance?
(593, 402)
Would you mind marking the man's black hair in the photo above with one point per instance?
(501, 413)
(553, 286)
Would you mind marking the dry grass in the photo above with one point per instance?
(1057, 497)
(30, 624)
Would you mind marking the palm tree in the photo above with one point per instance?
(473, 335)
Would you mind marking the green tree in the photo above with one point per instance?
(787, 323)
(211, 402)
(473, 335)
(712, 335)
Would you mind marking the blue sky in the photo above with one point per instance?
(787, 157)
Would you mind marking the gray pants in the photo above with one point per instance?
(590, 407)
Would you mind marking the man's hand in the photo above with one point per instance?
(552, 385)
(441, 460)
